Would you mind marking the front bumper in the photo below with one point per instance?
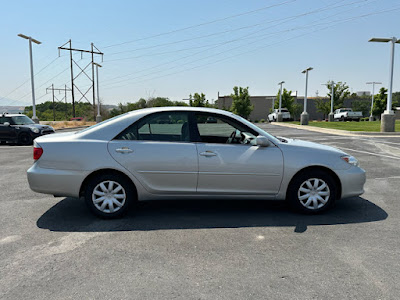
(55, 182)
(352, 181)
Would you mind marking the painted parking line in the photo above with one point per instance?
(370, 153)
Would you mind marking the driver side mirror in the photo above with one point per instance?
(262, 141)
(6, 124)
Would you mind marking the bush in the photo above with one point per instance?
(262, 121)
(255, 121)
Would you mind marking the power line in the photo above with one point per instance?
(201, 24)
(269, 45)
(324, 8)
(216, 46)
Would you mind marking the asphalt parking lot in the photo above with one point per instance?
(53, 248)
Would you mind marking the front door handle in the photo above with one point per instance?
(208, 153)
(123, 150)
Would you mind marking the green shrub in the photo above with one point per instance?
(262, 121)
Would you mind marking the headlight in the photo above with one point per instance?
(35, 130)
(350, 159)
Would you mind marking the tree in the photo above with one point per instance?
(380, 102)
(198, 100)
(340, 93)
(287, 100)
(241, 104)
(297, 109)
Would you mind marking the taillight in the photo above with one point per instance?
(37, 153)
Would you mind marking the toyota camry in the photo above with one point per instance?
(189, 153)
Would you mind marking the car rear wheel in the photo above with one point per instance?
(109, 196)
(24, 139)
(312, 192)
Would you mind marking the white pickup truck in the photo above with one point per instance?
(272, 117)
(347, 114)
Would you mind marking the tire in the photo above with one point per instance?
(114, 204)
(273, 119)
(342, 119)
(24, 139)
(326, 189)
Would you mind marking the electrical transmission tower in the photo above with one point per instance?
(82, 71)
(65, 89)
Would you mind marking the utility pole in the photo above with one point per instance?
(280, 116)
(371, 117)
(98, 117)
(65, 89)
(34, 117)
(388, 118)
(82, 71)
(304, 118)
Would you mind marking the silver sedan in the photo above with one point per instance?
(189, 153)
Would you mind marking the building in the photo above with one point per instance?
(263, 106)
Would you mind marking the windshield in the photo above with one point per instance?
(251, 125)
(22, 120)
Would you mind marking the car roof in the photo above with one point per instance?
(11, 115)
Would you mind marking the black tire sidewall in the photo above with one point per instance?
(126, 184)
(28, 140)
(299, 179)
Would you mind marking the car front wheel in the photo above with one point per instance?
(109, 196)
(312, 192)
(24, 139)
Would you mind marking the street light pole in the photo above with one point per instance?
(331, 114)
(280, 116)
(98, 117)
(304, 116)
(371, 117)
(34, 117)
(388, 117)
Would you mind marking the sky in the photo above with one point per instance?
(175, 48)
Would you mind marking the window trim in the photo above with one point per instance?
(188, 113)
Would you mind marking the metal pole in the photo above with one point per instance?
(66, 105)
(34, 117)
(280, 98)
(72, 80)
(305, 96)
(389, 98)
(94, 100)
(372, 102)
(98, 118)
(332, 95)
(54, 109)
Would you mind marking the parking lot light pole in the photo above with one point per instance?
(280, 116)
(34, 117)
(388, 117)
(331, 114)
(304, 116)
(371, 117)
(98, 117)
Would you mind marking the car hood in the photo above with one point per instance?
(311, 145)
(39, 126)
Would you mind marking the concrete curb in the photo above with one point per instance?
(338, 131)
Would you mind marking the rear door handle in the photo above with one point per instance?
(123, 150)
(208, 153)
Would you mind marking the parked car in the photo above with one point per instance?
(347, 114)
(272, 117)
(176, 153)
(18, 128)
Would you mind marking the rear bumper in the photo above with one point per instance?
(55, 182)
(352, 181)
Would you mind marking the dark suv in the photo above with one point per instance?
(18, 128)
